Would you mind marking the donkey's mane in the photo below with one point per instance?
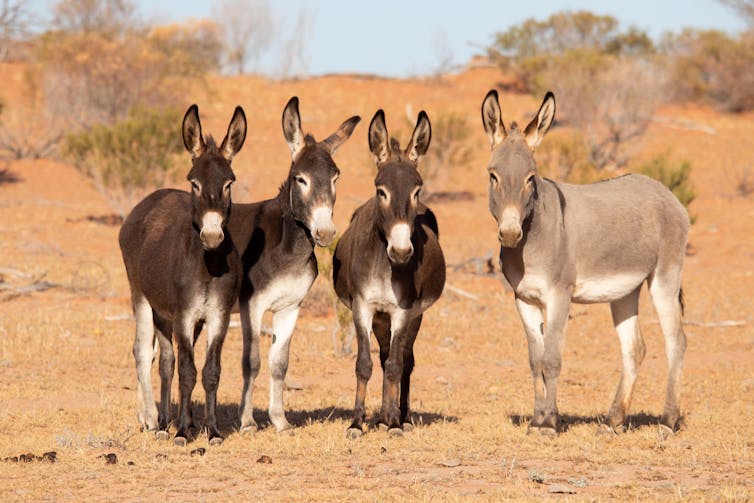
(210, 145)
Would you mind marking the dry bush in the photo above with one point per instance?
(675, 176)
(248, 29)
(565, 157)
(713, 67)
(15, 21)
(127, 160)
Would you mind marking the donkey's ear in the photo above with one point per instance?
(539, 126)
(235, 136)
(343, 133)
(419, 138)
(378, 138)
(492, 119)
(192, 132)
(292, 127)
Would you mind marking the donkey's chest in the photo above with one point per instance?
(385, 294)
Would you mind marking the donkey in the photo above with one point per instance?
(184, 273)
(563, 243)
(388, 268)
(276, 239)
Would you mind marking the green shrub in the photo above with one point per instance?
(674, 176)
(129, 158)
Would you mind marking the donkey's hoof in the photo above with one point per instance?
(548, 431)
(180, 441)
(382, 427)
(216, 441)
(408, 427)
(665, 432)
(162, 435)
(606, 430)
(283, 426)
(395, 432)
(354, 433)
(249, 428)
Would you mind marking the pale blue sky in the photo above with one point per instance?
(403, 37)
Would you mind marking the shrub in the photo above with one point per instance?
(674, 176)
(129, 158)
(450, 149)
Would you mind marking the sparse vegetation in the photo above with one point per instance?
(129, 158)
(451, 150)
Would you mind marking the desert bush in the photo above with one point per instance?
(16, 19)
(712, 67)
(675, 176)
(565, 157)
(451, 150)
(129, 158)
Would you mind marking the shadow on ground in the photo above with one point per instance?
(567, 421)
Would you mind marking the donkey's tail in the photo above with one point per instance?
(680, 300)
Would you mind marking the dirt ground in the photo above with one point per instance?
(67, 382)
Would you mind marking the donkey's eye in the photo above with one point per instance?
(196, 187)
(493, 179)
(302, 181)
(416, 194)
(530, 180)
(227, 186)
(335, 178)
(382, 193)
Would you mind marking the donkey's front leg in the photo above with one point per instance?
(283, 323)
(217, 328)
(164, 333)
(390, 412)
(186, 376)
(556, 311)
(362, 320)
(533, 321)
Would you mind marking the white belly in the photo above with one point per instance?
(606, 288)
(285, 291)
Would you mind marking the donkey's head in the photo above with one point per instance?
(313, 173)
(211, 175)
(398, 183)
(512, 170)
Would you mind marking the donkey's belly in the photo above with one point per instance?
(606, 288)
(285, 291)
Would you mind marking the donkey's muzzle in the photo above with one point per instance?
(509, 231)
(509, 238)
(322, 227)
(211, 233)
(400, 255)
(399, 247)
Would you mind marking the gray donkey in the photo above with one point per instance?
(184, 274)
(388, 269)
(563, 243)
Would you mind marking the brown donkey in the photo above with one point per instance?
(184, 273)
(388, 269)
(563, 243)
(276, 240)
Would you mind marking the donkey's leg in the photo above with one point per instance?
(390, 411)
(408, 367)
(556, 311)
(143, 351)
(251, 325)
(381, 329)
(283, 323)
(666, 291)
(362, 320)
(164, 331)
(533, 321)
(184, 331)
(217, 328)
(625, 313)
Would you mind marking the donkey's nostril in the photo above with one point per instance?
(211, 239)
(400, 255)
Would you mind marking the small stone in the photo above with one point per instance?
(110, 458)
(450, 463)
(265, 459)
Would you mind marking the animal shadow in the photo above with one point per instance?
(567, 421)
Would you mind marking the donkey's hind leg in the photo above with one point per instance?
(283, 324)
(164, 333)
(625, 313)
(144, 351)
(665, 289)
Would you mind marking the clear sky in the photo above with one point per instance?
(411, 37)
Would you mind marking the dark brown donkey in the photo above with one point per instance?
(276, 240)
(388, 269)
(563, 243)
(184, 273)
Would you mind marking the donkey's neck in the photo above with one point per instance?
(295, 238)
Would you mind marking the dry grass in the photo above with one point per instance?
(67, 378)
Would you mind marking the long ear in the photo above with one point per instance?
(539, 126)
(292, 127)
(192, 132)
(378, 138)
(420, 137)
(343, 133)
(492, 119)
(235, 136)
